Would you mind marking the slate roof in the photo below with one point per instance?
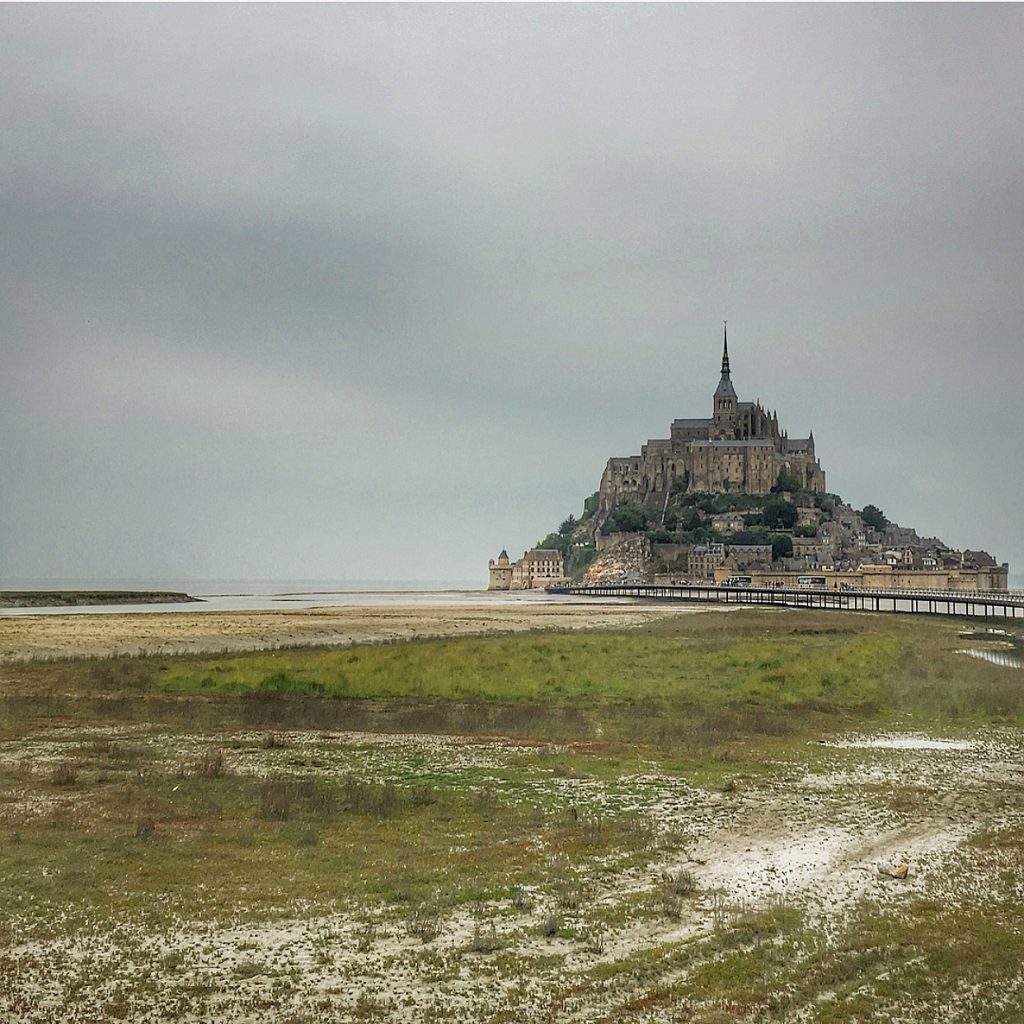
(725, 388)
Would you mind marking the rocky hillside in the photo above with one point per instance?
(789, 528)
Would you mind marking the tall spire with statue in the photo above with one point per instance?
(724, 411)
(725, 389)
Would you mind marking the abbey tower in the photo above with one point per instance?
(739, 449)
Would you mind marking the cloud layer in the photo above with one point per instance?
(371, 291)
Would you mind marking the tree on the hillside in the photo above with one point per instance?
(826, 502)
(782, 546)
(691, 519)
(748, 537)
(579, 558)
(874, 517)
(568, 525)
(779, 514)
(786, 482)
(627, 518)
(590, 506)
(555, 541)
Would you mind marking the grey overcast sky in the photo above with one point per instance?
(370, 292)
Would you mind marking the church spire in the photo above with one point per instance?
(725, 348)
(725, 394)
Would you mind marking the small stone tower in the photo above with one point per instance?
(723, 425)
(499, 572)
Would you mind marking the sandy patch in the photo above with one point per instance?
(65, 636)
(901, 743)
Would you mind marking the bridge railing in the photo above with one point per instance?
(1015, 599)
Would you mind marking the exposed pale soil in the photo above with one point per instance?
(812, 835)
(68, 636)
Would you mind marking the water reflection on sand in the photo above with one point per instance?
(993, 657)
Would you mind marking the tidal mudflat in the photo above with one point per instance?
(756, 815)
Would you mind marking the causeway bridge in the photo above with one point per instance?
(983, 604)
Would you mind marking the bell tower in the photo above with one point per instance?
(724, 419)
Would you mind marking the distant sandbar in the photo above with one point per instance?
(75, 598)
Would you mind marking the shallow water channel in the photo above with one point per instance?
(1007, 649)
(1003, 658)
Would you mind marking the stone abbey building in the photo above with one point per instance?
(739, 448)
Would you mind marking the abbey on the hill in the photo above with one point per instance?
(738, 449)
(731, 494)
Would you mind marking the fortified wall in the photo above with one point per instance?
(883, 577)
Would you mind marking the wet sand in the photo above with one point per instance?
(69, 636)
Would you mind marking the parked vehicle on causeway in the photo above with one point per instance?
(738, 581)
(811, 582)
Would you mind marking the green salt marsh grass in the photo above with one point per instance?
(700, 689)
(770, 670)
(780, 670)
